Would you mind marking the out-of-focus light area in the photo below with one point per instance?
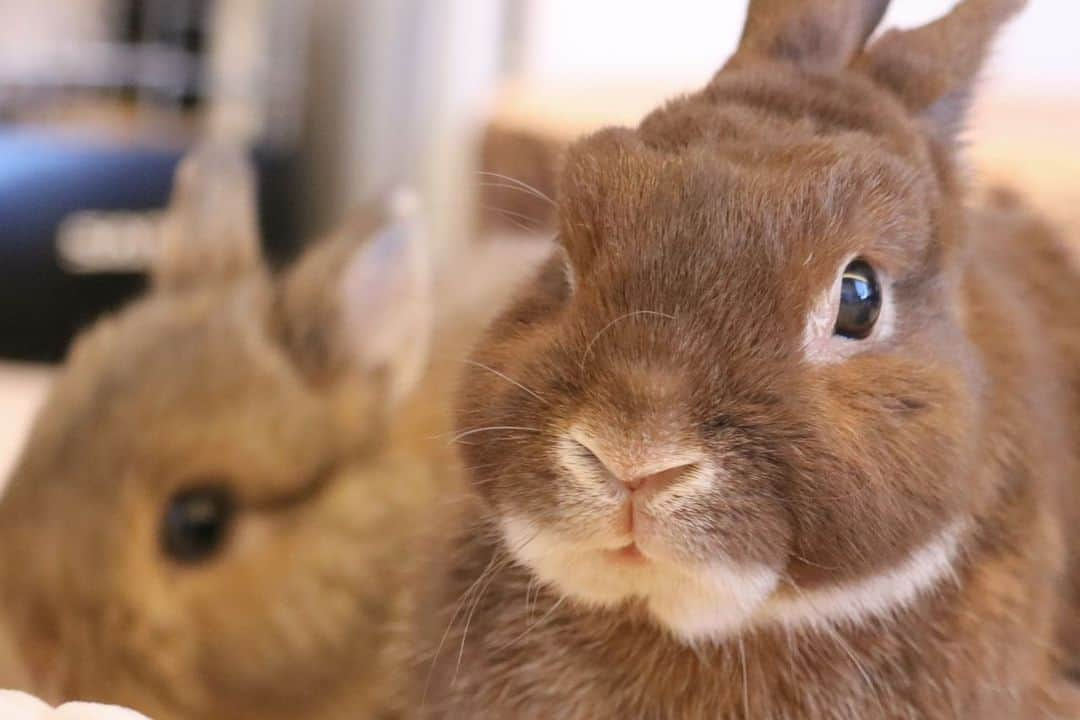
(341, 100)
(685, 41)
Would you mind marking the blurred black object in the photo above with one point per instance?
(177, 30)
(129, 95)
(44, 179)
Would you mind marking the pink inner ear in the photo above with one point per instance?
(385, 295)
(373, 287)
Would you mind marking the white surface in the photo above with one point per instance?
(685, 41)
(22, 388)
(20, 706)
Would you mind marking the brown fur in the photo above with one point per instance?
(697, 244)
(515, 164)
(226, 374)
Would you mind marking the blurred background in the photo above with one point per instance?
(342, 99)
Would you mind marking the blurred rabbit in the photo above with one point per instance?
(212, 512)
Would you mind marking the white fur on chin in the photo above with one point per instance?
(711, 602)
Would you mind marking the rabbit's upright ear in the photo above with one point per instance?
(814, 34)
(210, 230)
(360, 302)
(933, 68)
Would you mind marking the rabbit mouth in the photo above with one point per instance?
(629, 553)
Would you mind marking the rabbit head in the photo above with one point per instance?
(748, 392)
(209, 516)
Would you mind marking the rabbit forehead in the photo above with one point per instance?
(775, 103)
(795, 212)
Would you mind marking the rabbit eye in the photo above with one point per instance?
(860, 301)
(197, 523)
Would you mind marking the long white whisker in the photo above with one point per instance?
(468, 622)
(521, 221)
(534, 625)
(520, 183)
(496, 557)
(480, 596)
(466, 433)
(508, 379)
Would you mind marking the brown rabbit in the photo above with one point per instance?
(214, 507)
(790, 432)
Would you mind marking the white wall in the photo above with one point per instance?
(681, 42)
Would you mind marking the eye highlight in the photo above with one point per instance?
(196, 523)
(860, 301)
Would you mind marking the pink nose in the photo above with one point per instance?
(641, 472)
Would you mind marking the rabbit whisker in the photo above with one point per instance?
(480, 596)
(508, 379)
(519, 184)
(495, 559)
(534, 625)
(499, 560)
(493, 428)
(525, 222)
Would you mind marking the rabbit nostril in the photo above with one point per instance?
(590, 455)
(658, 481)
(643, 468)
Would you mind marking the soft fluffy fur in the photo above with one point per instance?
(858, 529)
(303, 394)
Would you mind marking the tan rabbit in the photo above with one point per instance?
(789, 432)
(214, 507)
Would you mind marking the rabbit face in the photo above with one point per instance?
(753, 374)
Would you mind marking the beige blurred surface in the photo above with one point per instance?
(1032, 144)
(22, 388)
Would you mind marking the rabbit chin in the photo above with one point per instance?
(699, 602)
(696, 602)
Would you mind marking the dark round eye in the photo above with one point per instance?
(860, 301)
(197, 523)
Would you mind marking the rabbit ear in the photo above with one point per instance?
(210, 229)
(933, 68)
(361, 301)
(814, 34)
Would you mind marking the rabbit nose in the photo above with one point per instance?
(641, 470)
